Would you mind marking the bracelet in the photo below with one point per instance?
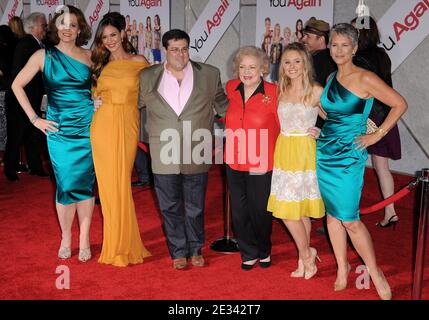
(34, 119)
(382, 131)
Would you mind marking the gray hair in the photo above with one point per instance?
(345, 29)
(31, 20)
(253, 52)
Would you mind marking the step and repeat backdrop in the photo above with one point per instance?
(279, 23)
(403, 27)
(146, 20)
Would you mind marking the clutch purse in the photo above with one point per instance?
(44, 103)
(371, 127)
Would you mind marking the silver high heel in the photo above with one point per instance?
(64, 253)
(84, 254)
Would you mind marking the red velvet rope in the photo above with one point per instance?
(393, 198)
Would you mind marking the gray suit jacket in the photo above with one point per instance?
(178, 153)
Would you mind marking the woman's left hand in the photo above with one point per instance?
(314, 132)
(97, 102)
(365, 141)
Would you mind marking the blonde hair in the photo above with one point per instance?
(253, 52)
(287, 29)
(308, 76)
(17, 27)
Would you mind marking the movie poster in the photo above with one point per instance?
(13, 8)
(147, 20)
(280, 22)
(45, 6)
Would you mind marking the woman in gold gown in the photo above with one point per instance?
(114, 137)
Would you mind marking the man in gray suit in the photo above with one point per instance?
(180, 97)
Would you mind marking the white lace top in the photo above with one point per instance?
(296, 117)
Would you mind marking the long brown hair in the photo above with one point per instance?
(308, 76)
(100, 55)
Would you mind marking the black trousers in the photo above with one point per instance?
(251, 221)
(181, 198)
(142, 166)
(21, 131)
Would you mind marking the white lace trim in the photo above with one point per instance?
(294, 186)
(296, 117)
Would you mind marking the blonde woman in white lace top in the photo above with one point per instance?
(295, 196)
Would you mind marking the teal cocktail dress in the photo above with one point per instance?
(68, 87)
(340, 168)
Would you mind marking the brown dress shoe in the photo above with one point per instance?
(197, 261)
(180, 263)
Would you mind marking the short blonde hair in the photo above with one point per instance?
(253, 52)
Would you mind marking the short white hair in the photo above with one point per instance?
(31, 20)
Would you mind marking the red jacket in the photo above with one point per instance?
(251, 128)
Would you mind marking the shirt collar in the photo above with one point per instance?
(185, 70)
(259, 89)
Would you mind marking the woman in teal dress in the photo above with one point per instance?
(67, 77)
(341, 152)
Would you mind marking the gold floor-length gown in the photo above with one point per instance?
(114, 137)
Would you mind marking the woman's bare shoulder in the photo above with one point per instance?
(138, 57)
(317, 90)
(85, 52)
(38, 57)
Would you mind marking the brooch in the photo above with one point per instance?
(266, 99)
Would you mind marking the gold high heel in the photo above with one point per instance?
(310, 268)
(298, 273)
(84, 254)
(64, 253)
(387, 294)
(341, 286)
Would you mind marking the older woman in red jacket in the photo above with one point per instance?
(252, 127)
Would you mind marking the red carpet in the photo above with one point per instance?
(30, 236)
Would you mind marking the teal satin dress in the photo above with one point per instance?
(68, 87)
(340, 168)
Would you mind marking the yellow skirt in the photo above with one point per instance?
(294, 188)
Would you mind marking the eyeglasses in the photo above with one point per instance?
(177, 50)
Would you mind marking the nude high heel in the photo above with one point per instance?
(384, 292)
(341, 286)
(298, 273)
(310, 268)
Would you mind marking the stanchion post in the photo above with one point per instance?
(421, 236)
(226, 244)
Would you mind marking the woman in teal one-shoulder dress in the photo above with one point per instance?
(66, 72)
(341, 152)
